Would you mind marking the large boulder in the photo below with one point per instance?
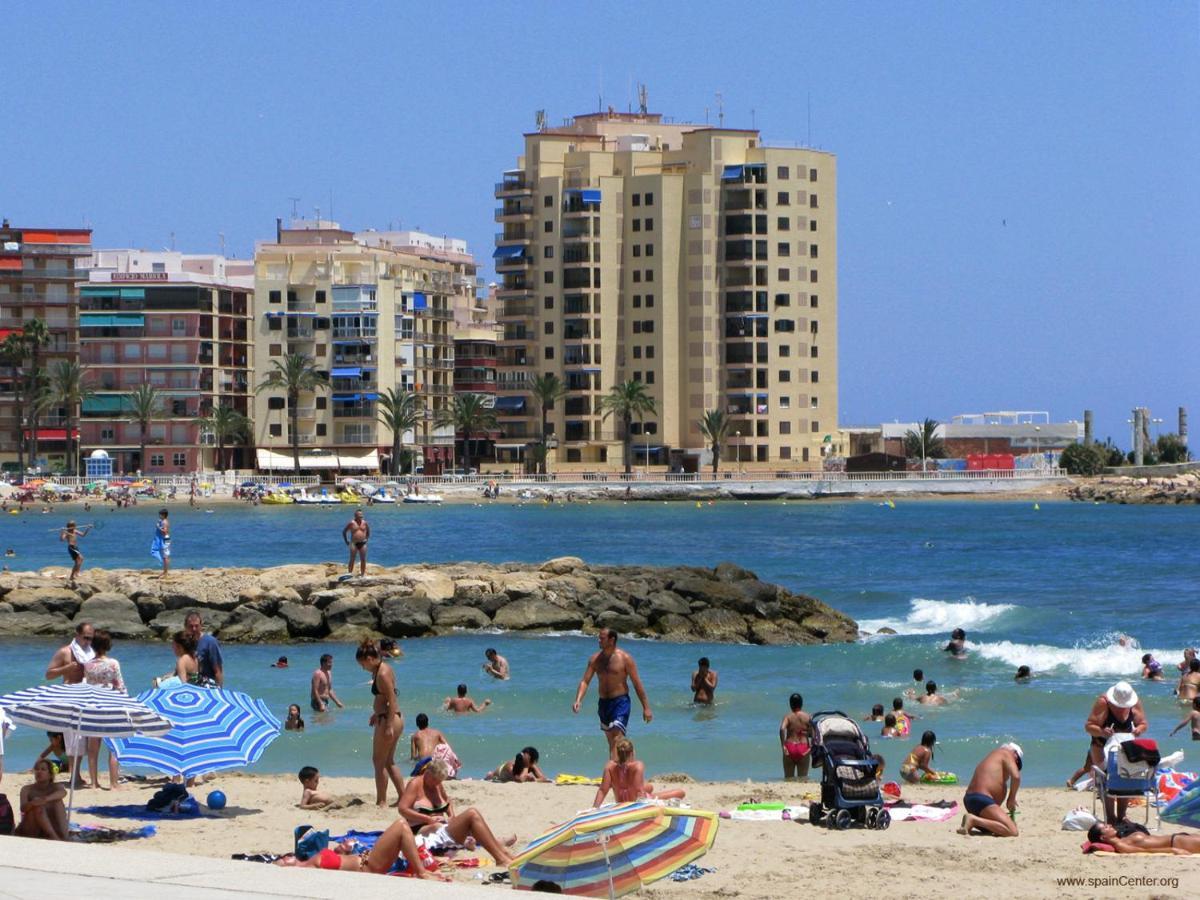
(460, 617)
(703, 591)
(354, 610)
(470, 591)
(623, 622)
(21, 624)
(431, 585)
(661, 603)
(114, 613)
(523, 615)
(329, 596)
(520, 586)
(352, 634)
(249, 626)
(562, 565)
(303, 621)
(674, 627)
(166, 623)
(405, 617)
(51, 601)
(720, 625)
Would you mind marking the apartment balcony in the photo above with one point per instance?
(365, 335)
(353, 298)
(305, 413)
(748, 327)
(514, 185)
(511, 236)
(514, 211)
(512, 264)
(576, 329)
(474, 387)
(579, 229)
(577, 356)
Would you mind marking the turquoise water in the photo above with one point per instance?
(1052, 588)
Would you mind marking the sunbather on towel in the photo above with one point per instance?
(1179, 844)
(395, 846)
(626, 776)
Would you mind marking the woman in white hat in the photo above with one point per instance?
(1117, 711)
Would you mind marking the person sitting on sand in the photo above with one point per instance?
(1023, 674)
(294, 722)
(704, 682)
(626, 778)
(795, 734)
(931, 697)
(462, 703)
(1192, 718)
(917, 766)
(496, 665)
(1133, 841)
(395, 851)
(889, 727)
(997, 773)
(1151, 668)
(1189, 684)
(43, 814)
(957, 648)
(426, 807)
(918, 685)
(876, 714)
(313, 797)
(522, 768)
(431, 743)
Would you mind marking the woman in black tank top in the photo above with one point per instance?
(386, 720)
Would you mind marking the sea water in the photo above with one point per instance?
(1056, 588)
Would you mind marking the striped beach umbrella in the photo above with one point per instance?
(615, 850)
(214, 729)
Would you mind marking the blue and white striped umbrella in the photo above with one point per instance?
(90, 710)
(214, 729)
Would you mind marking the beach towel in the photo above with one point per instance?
(690, 872)
(101, 834)
(565, 778)
(786, 814)
(139, 812)
(920, 812)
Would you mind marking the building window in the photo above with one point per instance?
(649, 198)
(637, 224)
(812, 276)
(812, 301)
(548, 277)
(321, 402)
(812, 225)
(108, 434)
(785, 375)
(157, 459)
(179, 459)
(637, 301)
(649, 274)
(785, 350)
(813, 402)
(784, 248)
(783, 223)
(649, 299)
(812, 251)
(812, 174)
(548, 200)
(276, 296)
(785, 402)
(637, 327)
(276, 350)
(637, 376)
(813, 351)
(276, 430)
(649, 224)
(547, 253)
(783, 198)
(783, 300)
(548, 328)
(275, 403)
(637, 249)
(274, 324)
(648, 326)
(816, 426)
(320, 296)
(813, 376)
(549, 354)
(650, 352)
(637, 352)
(650, 377)
(812, 201)
(812, 326)
(785, 325)
(649, 249)
(548, 302)
(637, 276)
(637, 199)
(785, 427)
(548, 227)
(321, 429)
(783, 275)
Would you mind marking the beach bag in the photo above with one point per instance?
(309, 841)
(8, 821)
(1078, 819)
(165, 797)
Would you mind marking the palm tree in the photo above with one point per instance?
(625, 401)
(145, 404)
(470, 416)
(68, 390)
(226, 424)
(398, 411)
(548, 389)
(12, 355)
(924, 443)
(38, 402)
(714, 426)
(295, 375)
(34, 336)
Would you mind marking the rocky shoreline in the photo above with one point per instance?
(725, 604)
(1167, 490)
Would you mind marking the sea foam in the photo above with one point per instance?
(940, 616)
(1109, 659)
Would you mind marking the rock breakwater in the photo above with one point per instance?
(1165, 490)
(314, 602)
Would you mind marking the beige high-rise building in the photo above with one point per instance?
(373, 310)
(689, 257)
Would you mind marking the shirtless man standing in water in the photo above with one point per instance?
(356, 534)
(615, 668)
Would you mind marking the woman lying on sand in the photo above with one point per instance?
(1180, 844)
(396, 850)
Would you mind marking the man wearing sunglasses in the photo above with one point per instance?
(67, 662)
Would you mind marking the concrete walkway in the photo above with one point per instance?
(34, 870)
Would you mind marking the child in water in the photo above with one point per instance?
(294, 722)
(1151, 668)
(889, 727)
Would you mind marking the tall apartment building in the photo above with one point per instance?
(689, 257)
(41, 270)
(373, 310)
(180, 323)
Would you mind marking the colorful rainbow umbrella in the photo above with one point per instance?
(613, 851)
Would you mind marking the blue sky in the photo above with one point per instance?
(1018, 181)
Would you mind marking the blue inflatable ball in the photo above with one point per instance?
(216, 800)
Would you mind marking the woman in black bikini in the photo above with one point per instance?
(386, 719)
(1130, 841)
(425, 806)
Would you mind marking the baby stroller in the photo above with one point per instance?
(849, 786)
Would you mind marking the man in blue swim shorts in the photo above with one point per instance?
(616, 669)
(999, 772)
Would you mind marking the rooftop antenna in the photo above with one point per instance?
(221, 238)
(752, 125)
(172, 241)
(295, 213)
(317, 210)
(809, 138)
(331, 203)
(720, 111)
(643, 105)
(539, 117)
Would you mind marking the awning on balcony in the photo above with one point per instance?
(371, 396)
(514, 251)
(297, 313)
(368, 459)
(52, 434)
(733, 173)
(346, 398)
(420, 301)
(590, 196)
(354, 372)
(510, 445)
(89, 320)
(105, 403)
(510, 404)
(325, 459)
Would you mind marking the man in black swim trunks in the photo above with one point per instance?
(356, 534)
(616, 669)
(998, 772)
(70, 535)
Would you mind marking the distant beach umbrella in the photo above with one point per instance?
(615, 850)
(214, 729)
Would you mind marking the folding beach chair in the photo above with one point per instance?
(1129, 773)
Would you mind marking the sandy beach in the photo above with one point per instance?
(752, 859)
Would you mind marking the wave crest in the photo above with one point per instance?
(1109, 659)
(940, 616)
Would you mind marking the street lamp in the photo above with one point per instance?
(738, 434)
(1037, 439)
